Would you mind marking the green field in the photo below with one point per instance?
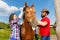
(52, 31)
(5, 33)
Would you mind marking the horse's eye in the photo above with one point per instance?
(26, 12)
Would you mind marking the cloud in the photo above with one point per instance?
(5, 9)
(0, 0)
(13, 9)
(21, 8)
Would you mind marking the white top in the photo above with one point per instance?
(21, 14)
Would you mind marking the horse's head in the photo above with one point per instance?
(29, 12)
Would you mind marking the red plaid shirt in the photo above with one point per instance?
(14, 29)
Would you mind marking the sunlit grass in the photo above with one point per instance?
(4, 34)
(52, 31)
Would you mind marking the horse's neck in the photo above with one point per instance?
(26, 23)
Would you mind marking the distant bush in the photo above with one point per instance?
(4, 25)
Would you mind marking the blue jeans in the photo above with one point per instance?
(45, 37)
(12, 39)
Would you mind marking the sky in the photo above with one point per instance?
(13, 6)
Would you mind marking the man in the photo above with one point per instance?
(44, 25)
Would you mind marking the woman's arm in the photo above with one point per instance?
(21, 14)
(14, 21)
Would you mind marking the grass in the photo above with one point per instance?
(4, 33)
(52, 31)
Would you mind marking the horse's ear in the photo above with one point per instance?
(32, 6)
(25, 4)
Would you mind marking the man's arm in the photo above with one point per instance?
(42, 23)
(35, 23)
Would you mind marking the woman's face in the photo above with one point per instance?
(15, 17)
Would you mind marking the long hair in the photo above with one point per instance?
(11, 17)
(23, 16)
(24, 13)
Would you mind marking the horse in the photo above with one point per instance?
(26, 31)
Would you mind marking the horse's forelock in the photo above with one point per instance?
(28, 8)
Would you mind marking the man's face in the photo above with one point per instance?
(43, 14)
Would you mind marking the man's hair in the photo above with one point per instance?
(45, 10)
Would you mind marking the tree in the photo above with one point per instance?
(4, 25)
(57, 9)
